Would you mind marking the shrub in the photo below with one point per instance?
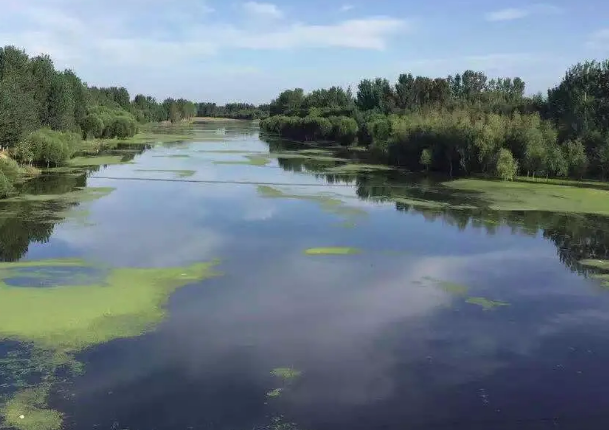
(6, 186)
(9, 168)
(507, 166)
(92, 126)
(47, 147)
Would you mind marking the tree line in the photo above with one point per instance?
(464, 124)
(245, 111)
(46, 114)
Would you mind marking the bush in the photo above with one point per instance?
(9, 168)
(6, 186)
(123, 127)
(92, 126)
(344, 130)
(47, 147)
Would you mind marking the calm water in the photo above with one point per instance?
(379, 341)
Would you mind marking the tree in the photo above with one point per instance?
(576, 158)
(426, 159)
(18, 114)
(506, 167)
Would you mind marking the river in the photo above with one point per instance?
(433, 318)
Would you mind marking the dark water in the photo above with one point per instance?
(380, 345)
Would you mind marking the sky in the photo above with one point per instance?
(249, 51)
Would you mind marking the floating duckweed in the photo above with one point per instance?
(286, 373)
(596, 264)
(326, 203)
(27, 410)
(453, 288)
(335, 250)
(252, 160)
(97, 161)
(486, 304)
(274, 393)
(172, 156)
(60, 321)
(358, 168)
(177, 173)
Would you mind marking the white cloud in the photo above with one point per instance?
(510, 14)
(157, 50)
(346, 7)
(267, 10)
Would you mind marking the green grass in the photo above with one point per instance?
(533, 196)
(486, 304)
(332, 250)
(177, 173)
(101, 160)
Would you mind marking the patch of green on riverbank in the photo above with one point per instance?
(65, 319)
(333, 250)
(532, 196)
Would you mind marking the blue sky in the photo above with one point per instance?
(234, 50)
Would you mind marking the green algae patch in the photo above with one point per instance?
(172, 156)
(533, 196)
(78, 195)
(59, 321)
(27, 410)
(327, 203)
(486, 304)
(286, 373)
(274, 393)
(51, 262)
(596, 264)
(358, 168)
(127, 303)
(177, 173)
(252, 160)
(104, 160)
(453, 288)
(332, 250)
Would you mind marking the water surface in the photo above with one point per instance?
(405, 333)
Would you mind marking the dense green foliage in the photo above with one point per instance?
(464, 124)
(232, 110)
(45, 113)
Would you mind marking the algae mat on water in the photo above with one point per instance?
(332, 250)
(534, 196)
(65, 319)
